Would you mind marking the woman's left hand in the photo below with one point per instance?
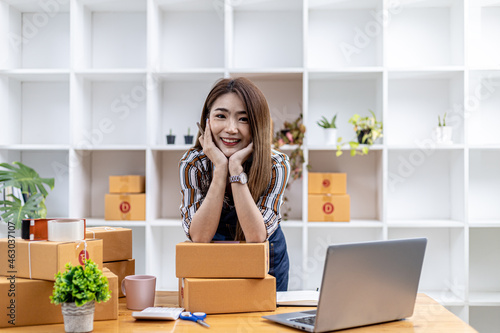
(237, 159)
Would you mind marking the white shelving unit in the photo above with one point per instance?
(90, 88)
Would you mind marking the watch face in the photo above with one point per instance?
(243, 178)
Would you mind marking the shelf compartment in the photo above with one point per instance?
(418, 98)
(48, 164)
(444, 271)
(484, 190)
(484, 255)
(189, 35)
(344, 34)
(90, 171)
(425, 33)
(36, 34)
(414, 174)
(279, 32)
(484, 27)
(344, 94)
(484, 298)
(318, 242)
(296, 273)
(109, 112)
(109, 34)
(364, 179)
(37, 111)
(482, 107)
(485, 319)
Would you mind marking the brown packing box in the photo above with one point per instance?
(32, 303)
(334, 183)
(222, 260)
(329, 207)
(125, 207)
(117, 242)
(227, 295)
(121, 269)
(47, 258)
(127, 184)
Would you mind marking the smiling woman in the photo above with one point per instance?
(232, 183)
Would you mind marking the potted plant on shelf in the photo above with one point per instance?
(77, 289)
(330, 129)
(23, 193)
(443, 133)
(170, 138)
(368, 130)
(188, 139)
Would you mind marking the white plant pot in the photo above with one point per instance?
(330, 136)
(446, 135)
(78, 318)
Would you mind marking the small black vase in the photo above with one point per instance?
(361, 134)
(188, 139)
(170, 139)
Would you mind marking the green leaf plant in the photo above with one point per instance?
(368, 129)
(80, 284)
(443, 124)
(323, 122)
(33, 190)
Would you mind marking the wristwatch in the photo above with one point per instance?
(241, 178)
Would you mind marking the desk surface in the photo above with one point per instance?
(429, 316)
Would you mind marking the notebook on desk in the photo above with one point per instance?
(363, 283)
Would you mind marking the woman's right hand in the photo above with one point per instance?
(210, 149)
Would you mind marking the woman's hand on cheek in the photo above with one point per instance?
(238, 158)
(210, 149)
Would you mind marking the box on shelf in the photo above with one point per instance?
(27, 302)
(117, 242)
(227, 295)
(127, 184)
(334, 183)
(329, 208)
(121, 269)
(125, 207)
(222, 260)
(43, 259)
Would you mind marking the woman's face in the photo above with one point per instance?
(229, 124)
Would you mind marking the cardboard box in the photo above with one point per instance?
(26, 302)
(227, 295)
(125, 207)
(121, 269)
(127, 184)
(333, 183)
(222, 260)
(329, 207)
(46, 258)
(117, 242)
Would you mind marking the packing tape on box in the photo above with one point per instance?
(66, 230)
(102, 228)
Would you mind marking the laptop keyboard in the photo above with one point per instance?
(309, 320)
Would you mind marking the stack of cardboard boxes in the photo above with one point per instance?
(117, 250)
(225, 277)
(328, 200)
(28, 269)
(126, 199)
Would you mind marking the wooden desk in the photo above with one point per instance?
(429, 316)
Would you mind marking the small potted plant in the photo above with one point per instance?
(24, 193)
(330, 129)
(368, 130)
(188, 139)
(443, 133)
(170, 138)
(77, 289)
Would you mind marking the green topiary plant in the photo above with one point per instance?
(80, 284)
(30, 203)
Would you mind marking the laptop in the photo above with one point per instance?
(363, 284)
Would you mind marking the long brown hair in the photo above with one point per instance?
(259, 119)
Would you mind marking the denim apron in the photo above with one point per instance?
(278, 256)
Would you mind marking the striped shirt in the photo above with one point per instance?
(195, 171)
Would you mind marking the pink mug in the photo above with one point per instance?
(140, 291)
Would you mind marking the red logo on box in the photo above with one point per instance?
(326, 183)
(124, 207)
(82, 256)
(328, 208)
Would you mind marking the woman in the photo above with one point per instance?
(232, 183)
